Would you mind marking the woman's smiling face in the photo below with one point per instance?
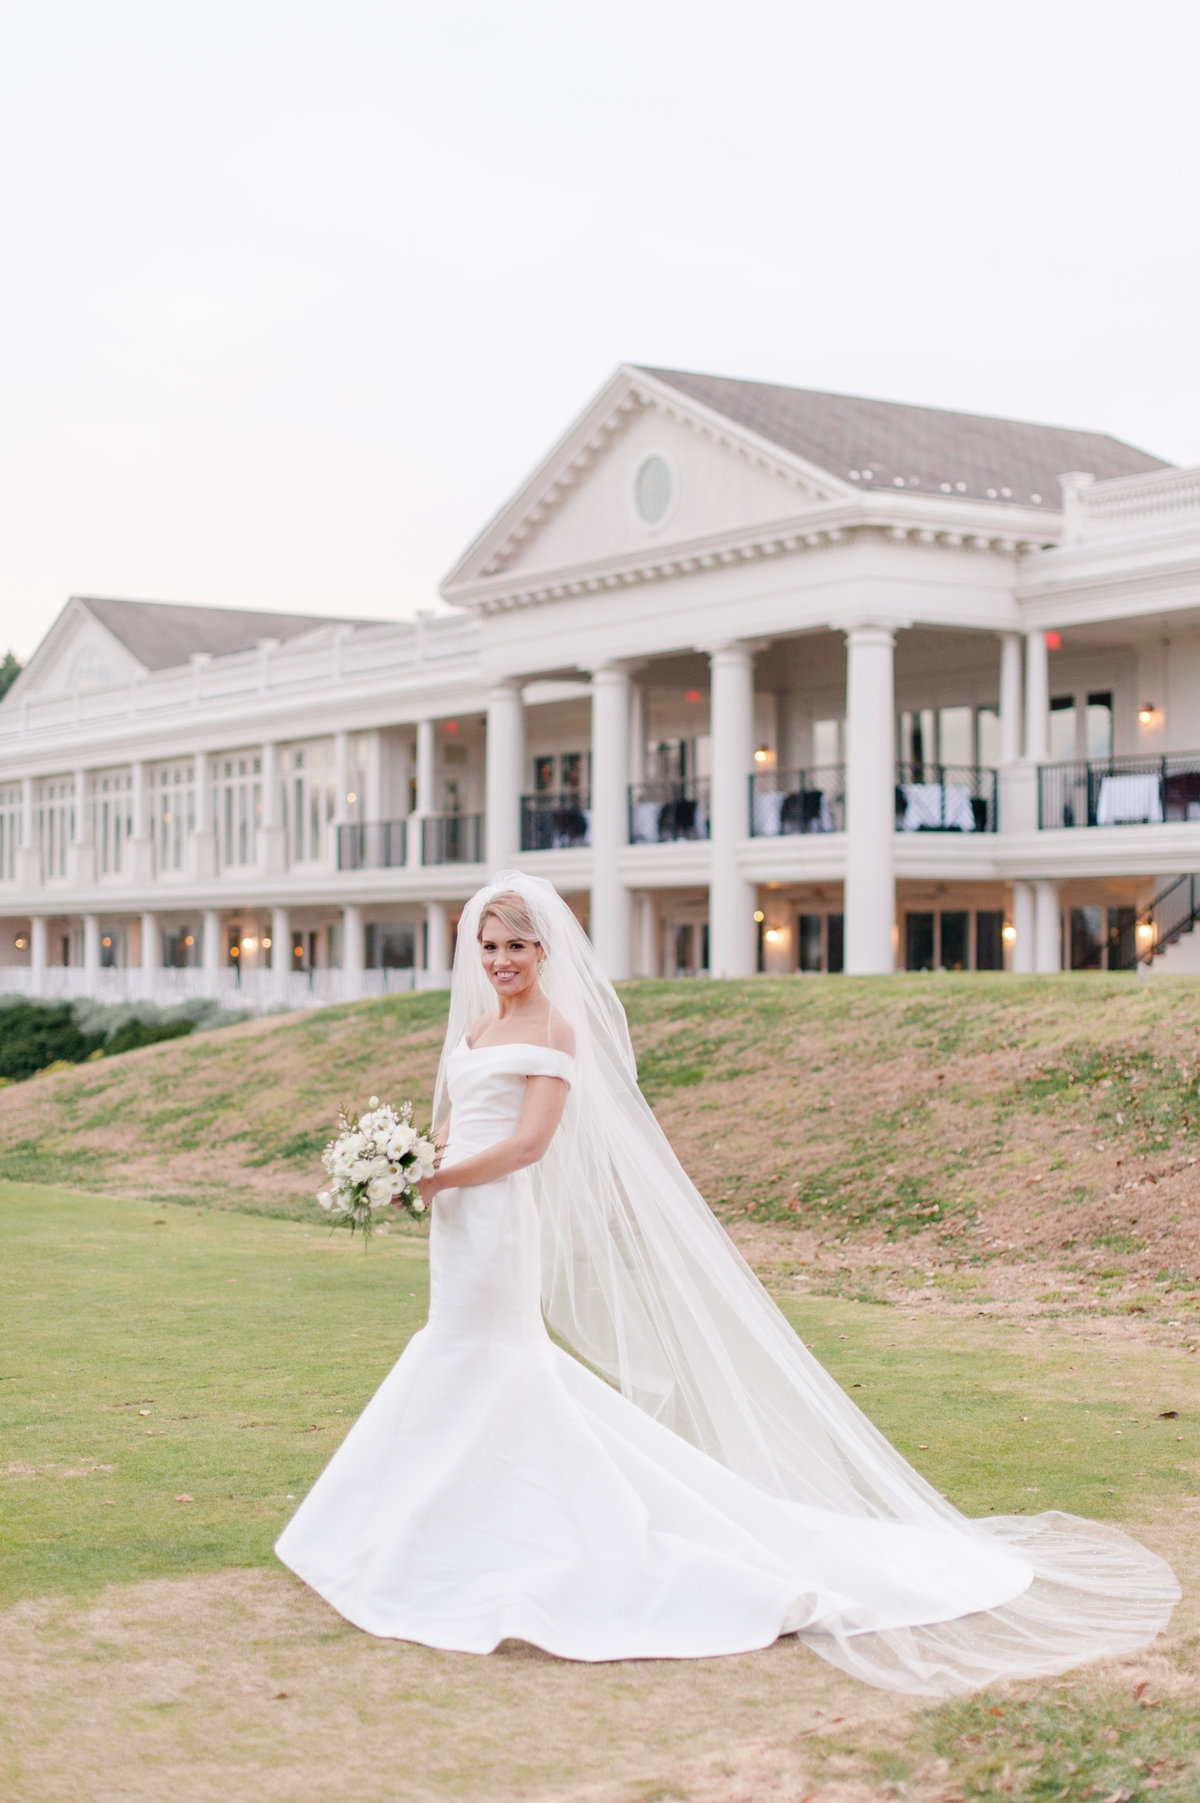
(510, 963)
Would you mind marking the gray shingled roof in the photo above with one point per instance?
(886, 445)
(162, 634)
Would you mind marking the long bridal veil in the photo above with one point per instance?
(642, 1282)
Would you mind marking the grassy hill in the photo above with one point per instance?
(896, 1125)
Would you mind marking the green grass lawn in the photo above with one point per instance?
(152, 1352)
(158, 1351)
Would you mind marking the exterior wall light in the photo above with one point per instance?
(352, 798)
(266, 945)
(20, 942)
(249, 943)
(188, 939)
(1009, 933)
(761, 754)
(297, 951)
(106, 940)
(759, 916)
(1145, 929)
(235, 951)
(773, 935)
(1146, 714)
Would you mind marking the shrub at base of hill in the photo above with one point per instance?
(35, 1034)
(36, 1037)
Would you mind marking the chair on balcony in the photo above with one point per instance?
(677, 819)
(805, 811)
(1181, 795)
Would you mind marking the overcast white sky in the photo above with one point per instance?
(295, 293)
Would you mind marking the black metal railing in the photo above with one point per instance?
(1173, 912)
(1120, 791)
(452, 839)
(945, 798)
(797, 801)
(371, 844)
(551, 822)
(669, 809)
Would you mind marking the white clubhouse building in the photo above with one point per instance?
(759, 678)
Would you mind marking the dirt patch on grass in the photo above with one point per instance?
(244, 1684)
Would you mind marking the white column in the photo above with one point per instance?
(426, 781)
(1037, 698)
(437, 944)
(204, 839)
(81, 862)
(1047, 931)
(505, 774)
(1010, 697)
(870, 902)
(1023, 955)
(353, 951)
(37, 950)
(647, 937)
(29, 857)
(211, 944)
(91, 944)
(272, 838)
(731, 936)
(281, 950)
(141, 846)
(611, 914)
(150, 944)
(639, 731)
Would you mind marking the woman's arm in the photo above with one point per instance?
(545, 1099)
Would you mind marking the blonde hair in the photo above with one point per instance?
(512, 911)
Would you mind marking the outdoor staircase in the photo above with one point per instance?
(1173, 912)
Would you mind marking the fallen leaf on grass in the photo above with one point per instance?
(1169, 1415)
(184, 1497)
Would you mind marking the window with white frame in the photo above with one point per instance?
(309, 800)
(55, 824)
(237, 807)
(10, 830)
(112, 818)
(172, 792)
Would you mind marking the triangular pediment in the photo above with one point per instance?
(78, 653)
(642, 470)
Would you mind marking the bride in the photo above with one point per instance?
(608, 1441)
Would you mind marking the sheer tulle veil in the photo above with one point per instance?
(640, 1280)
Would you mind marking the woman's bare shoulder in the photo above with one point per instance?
(478, 1026)
(561, 1034)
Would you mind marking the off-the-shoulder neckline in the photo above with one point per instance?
(515, 1044)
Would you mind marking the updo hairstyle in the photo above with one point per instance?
(512, 911)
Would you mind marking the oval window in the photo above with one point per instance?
(652, 490)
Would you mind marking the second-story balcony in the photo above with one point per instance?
(945, 798)
(452, 839)
(797, 801)
(556, 822)
(372, 844)
(1120, 791)
(669, 810)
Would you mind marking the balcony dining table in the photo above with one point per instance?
(937, 807)
(1128, 800)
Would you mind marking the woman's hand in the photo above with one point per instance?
(428, 1187)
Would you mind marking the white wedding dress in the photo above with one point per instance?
(494, 1488)
(693, 1482)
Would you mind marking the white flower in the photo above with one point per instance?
(374, 1102)
(379, 1191)
(418, 1204)
(424, 1157)
(401, 1139)
(325, 1198)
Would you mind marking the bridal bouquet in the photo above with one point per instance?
(374, 1163)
